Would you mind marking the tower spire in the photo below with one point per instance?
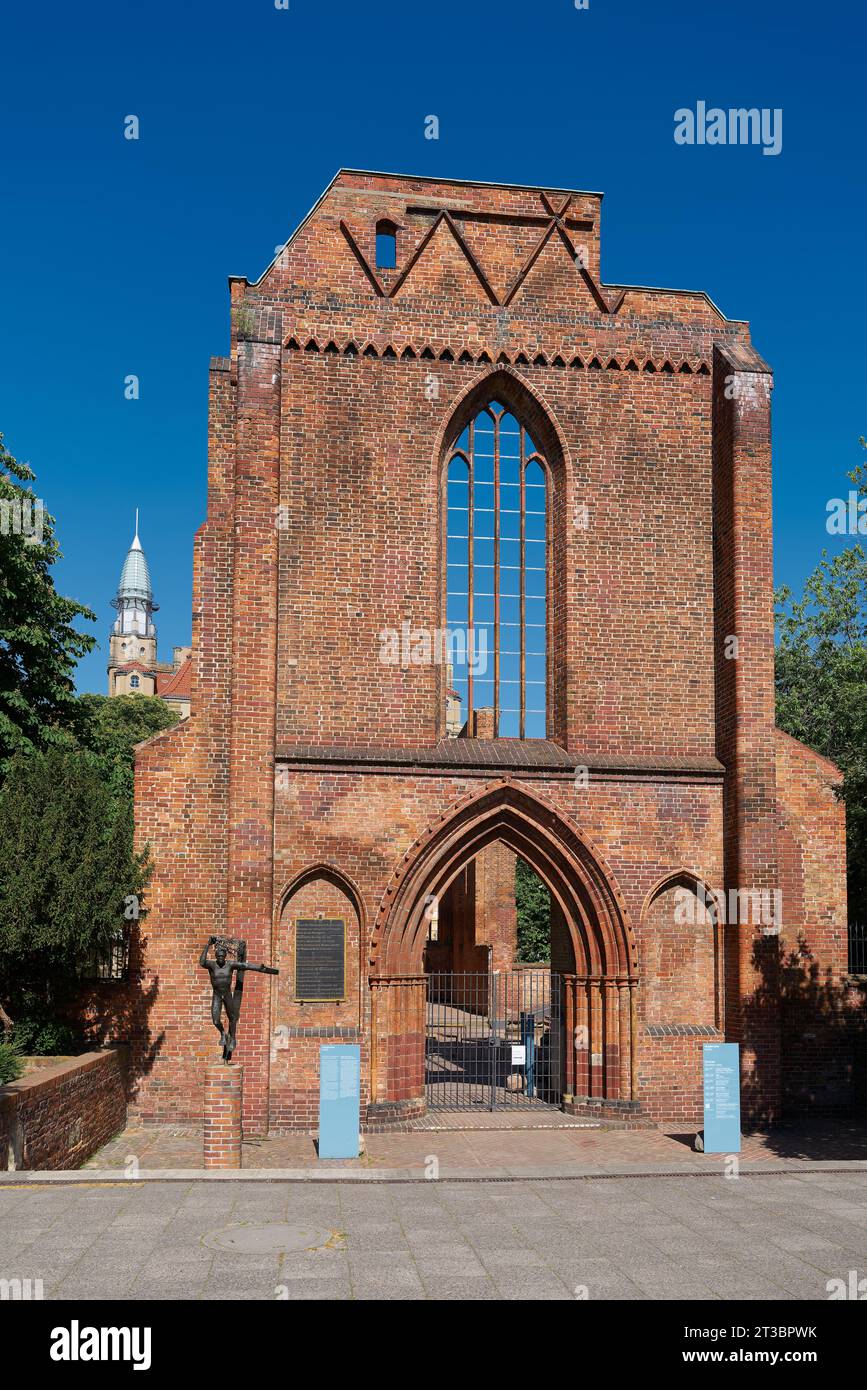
(134, 600)
(133, 639)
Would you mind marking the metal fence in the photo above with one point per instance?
(494, 1039)
(858, 948)
(109, 963)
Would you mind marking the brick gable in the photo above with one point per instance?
(312, 776)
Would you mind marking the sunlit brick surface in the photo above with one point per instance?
(222, 1116)
(313, 777)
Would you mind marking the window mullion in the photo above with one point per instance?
(470, 583)
(497, 576)
(522, 620)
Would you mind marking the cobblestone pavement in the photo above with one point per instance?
(780, 1236)
(548, 1149)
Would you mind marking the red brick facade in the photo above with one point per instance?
(313, 779)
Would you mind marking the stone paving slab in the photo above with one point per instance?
(308, 1176)
(769, 1237)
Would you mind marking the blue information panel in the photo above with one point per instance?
(722, 1098)
(339, 1100)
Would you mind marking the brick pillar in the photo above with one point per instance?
(745, 711)
(633, 1040)
(595, 1085)
(580, 1041)
(398, 1046)
(625, 1039)
(222, 1120)
(254, 666)
(611, 1046)
(496, 911)
(568, 987)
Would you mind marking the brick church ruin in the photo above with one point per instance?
(435, 417)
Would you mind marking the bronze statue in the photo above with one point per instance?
(221, 969)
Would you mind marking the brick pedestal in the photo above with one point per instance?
(223, 1090)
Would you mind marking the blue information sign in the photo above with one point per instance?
(722, 1098)
(339, 1100)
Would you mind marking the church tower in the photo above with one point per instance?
(133, 642)
(133, 668)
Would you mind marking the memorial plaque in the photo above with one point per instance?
(722, 1098)
(320, 959)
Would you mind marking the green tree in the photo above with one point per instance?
(110, 727)
(534, 914)
(858, 475)
(11, 1063)
(39, 644)
(821, 680)
(67, 873)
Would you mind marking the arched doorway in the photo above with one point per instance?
(589, 999)
(495, 958)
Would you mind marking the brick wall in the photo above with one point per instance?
(298, 1029)
(329, 423)
(744, 671)
(822, 1016)
(57, 1116)
(672, 1072)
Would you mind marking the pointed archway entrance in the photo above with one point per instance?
(596, 962)
(495, 1018)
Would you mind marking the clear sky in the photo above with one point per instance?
(115, 253)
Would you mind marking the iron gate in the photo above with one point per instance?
(494, 1039)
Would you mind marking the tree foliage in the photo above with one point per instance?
(821, 679)
(67, 868)
(39, 643)
(11, 1061)
(534, 914)
(110, 727)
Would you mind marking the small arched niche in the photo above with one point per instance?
(321, 895)
(681, 947)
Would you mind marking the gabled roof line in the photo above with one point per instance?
(670, 289)
(474, 183)
(305, 219)
(412, 178)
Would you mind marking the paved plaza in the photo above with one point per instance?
(779, 1236)
(466, 1210)
(522, 1144)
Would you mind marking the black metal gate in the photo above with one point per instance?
(494, 1039)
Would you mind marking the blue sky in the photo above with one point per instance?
(115, 253)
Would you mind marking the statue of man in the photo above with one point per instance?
(221, 971)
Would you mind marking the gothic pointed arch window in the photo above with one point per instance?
(497, 538)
